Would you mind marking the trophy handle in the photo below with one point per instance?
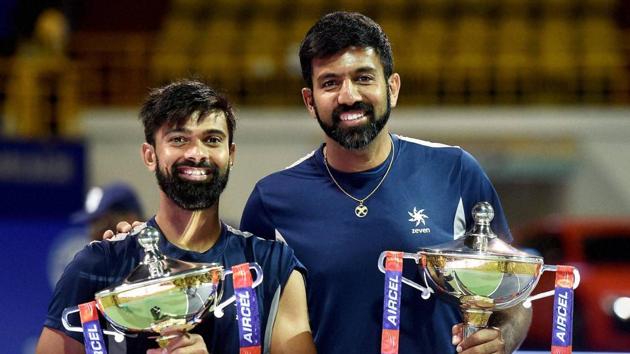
(426, 291)
(118, 335)
(218, 310)
(576, 274)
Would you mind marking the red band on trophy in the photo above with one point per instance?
(562, 330)
(92, 334)
(247, 310)
(391, 302)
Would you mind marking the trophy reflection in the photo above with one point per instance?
(163, 296)
(479, 272)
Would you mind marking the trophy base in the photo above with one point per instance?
(474, 320)
(164, 339)
(476, 311)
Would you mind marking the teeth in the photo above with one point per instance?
(351, 116)
(196, 172)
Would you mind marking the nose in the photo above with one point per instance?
(196, 151)
(348, 93)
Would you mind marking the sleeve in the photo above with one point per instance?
(256, 219)
(477, 187)
(278, 261)
(81, 279)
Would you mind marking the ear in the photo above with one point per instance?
(309, 101)
(232, 155)
(148, 156)
(394, 88)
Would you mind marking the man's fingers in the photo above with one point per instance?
(108, 234)
(136, 223)
(123, 226)
(457, 333)
(187, 343)
(487, 340)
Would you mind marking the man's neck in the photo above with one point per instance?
(190, 230)
(347, 160)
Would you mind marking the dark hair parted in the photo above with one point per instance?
(337, 31)
(175, 103)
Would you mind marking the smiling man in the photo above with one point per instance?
(352, 198)
(189, 130)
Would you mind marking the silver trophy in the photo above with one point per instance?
(162, 295)
(479, 272)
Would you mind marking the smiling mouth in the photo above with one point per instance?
(351, 116)
(194, 173)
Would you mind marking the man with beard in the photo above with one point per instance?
(365, 191)
(189, 146)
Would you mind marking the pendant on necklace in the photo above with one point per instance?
(361, 210)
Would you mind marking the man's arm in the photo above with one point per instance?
(52, 341)
(291, 330)
(507, 330)
(514, 324)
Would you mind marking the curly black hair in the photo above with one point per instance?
(337, 31)
(174, 104)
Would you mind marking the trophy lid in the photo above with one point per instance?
(155, 266)
(480, 241)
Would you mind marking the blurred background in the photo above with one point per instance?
(537, 90)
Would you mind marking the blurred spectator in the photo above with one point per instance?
(41, 94)
(107, 205)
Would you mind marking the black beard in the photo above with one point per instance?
(355, 138)
(192, 195)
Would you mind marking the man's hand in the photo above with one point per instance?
(184, 344)
(122, 228)
(507, 330)
(487, 340)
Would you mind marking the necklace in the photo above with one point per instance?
(361, 210)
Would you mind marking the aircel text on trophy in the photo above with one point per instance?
(162, 295)
(479, 272)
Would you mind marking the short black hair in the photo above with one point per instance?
(174, 104)
(337, 31)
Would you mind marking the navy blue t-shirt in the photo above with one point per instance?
(102, 264)
(425, 200)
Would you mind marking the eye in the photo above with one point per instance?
(365, 78)
(213, 140)
(177, 140)
(329, 84)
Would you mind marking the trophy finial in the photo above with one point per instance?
(478, 236)
(483, 213)
(148, 238)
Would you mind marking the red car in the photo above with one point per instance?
(600, 249)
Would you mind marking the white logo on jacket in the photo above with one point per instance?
(419, 217)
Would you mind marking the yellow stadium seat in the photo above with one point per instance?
(514, 59)
(557, 62)
(422, 57)
(467, 71)
(602, 65)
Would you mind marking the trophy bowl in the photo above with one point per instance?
(505, 281)
(163, 296)
(479, 272)
(176, 301)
